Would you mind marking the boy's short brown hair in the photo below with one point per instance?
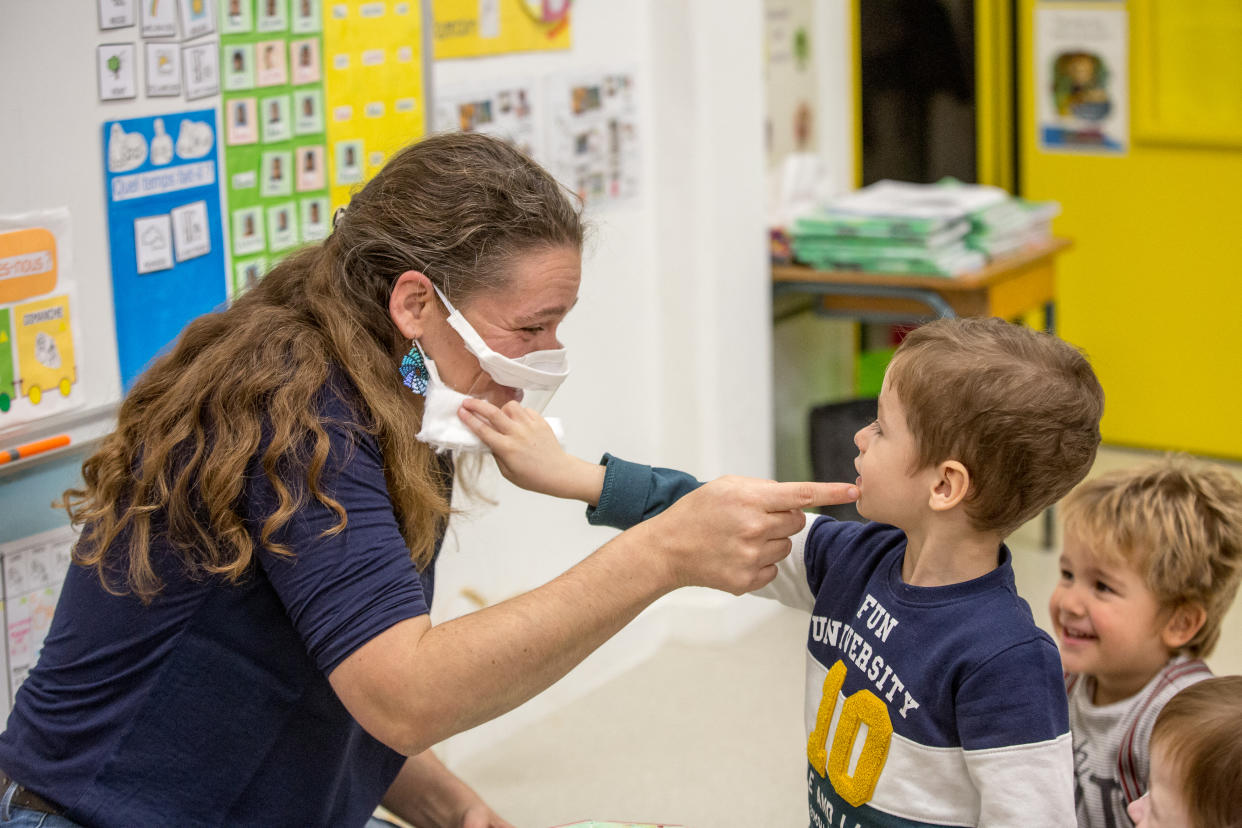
(1178, 523)
(1019, 408)
(1197, 733)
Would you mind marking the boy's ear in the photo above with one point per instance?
(412, 303)
(1185, 622)
(950, 487)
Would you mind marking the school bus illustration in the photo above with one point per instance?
(44, 348)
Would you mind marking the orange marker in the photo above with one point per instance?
(31, 449)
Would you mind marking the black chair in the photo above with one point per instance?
(832, 446)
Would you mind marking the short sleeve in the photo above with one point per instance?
(341, 590)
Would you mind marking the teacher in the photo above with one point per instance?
(244, 637)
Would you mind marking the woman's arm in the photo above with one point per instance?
(427, 794)
(413, 684)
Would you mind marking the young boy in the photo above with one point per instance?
(1150, 564)
(1196, 760)
(917, 631)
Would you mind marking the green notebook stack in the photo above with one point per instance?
(942, 229)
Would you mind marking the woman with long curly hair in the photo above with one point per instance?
(244, 639)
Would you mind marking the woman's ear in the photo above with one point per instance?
(412, 304)
(950, 486)
(1184, 624)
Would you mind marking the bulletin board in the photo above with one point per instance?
(148, 126)
(477, 28)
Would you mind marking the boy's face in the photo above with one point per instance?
(1108, 622)
(1163, 806)
(888, 491)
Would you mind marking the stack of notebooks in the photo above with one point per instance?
(942, 229)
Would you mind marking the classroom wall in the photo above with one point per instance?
(670, 343)
(671, 340)
(1151, 287)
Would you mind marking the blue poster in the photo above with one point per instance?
(164, 230)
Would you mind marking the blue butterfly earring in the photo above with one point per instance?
(414, 370)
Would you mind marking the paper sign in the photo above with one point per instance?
(304, 56)
(314, 218)
(1082, 79)
(159, 18)
(282, 228)
(241, 115)
(277, 125)
(236, 16)
(277, 177)
(273, 15)
(27, 263)
(116, 14)
(307, 112)
(198, 17)
(190, 236)
(163, 69)
(45, 347)
(34, 573)
(272, 68)
(239, 67)
(153, 243)
(248, 233)
(306, 16)
(246, 273)
(202, 70)
(117, 73)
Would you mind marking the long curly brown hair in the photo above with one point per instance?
(456, 207)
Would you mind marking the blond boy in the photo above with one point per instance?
(916, 628)
(1151, 561)
(1196, 760)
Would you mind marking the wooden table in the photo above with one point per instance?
(1008, 287)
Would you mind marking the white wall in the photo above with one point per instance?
(671, 339)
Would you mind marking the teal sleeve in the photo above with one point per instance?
(633, 492)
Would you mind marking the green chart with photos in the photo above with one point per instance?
(271, 77)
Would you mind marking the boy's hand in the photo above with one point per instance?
(528, 453)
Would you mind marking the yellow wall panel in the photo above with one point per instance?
(1152, 289)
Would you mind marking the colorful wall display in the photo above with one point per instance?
(165, 236)
(34, 573)
(506, 110)
(275, 151)
(1082, 78)
(376, 103)
(475, 28)
(593, 137)
(38, 369)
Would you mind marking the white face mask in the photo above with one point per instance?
(533, 377)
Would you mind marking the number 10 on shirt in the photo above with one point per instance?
(862, 707)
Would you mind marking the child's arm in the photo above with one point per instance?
(528, 453)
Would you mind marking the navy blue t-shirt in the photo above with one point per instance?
(211, 705)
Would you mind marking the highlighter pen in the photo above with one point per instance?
(31, 449)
